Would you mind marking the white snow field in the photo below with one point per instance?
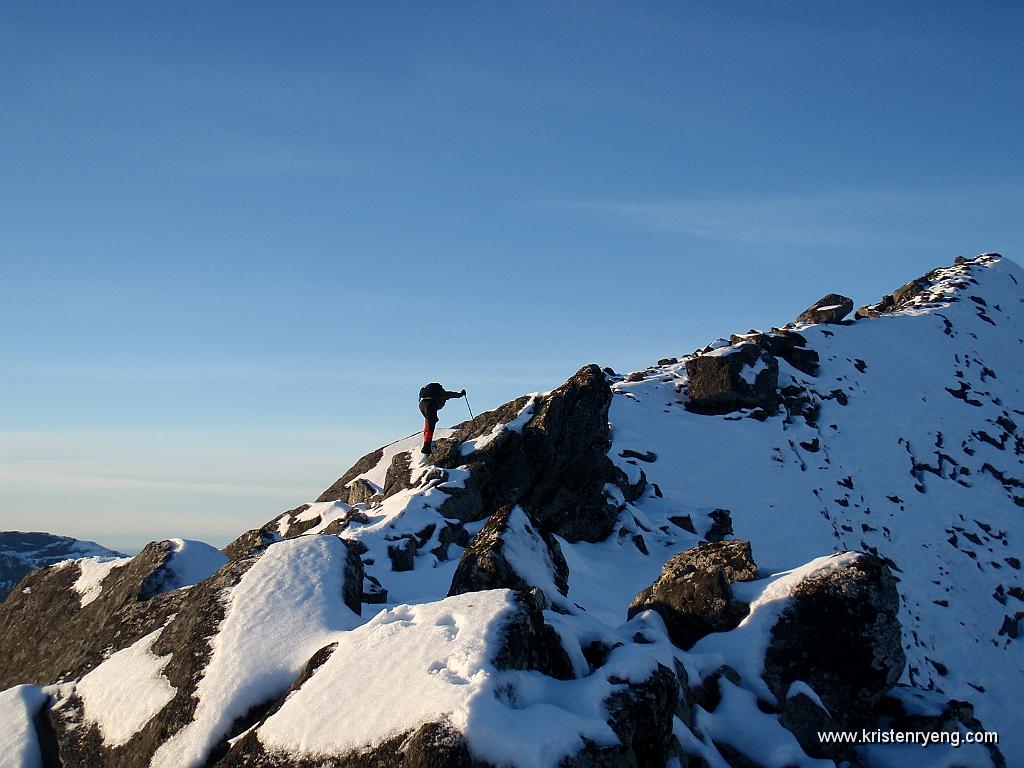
(912, 457)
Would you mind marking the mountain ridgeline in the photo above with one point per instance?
(707, 563)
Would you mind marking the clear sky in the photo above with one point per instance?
(236, 238)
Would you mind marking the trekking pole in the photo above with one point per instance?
(471, 416)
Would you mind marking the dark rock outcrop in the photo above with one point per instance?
(830, 308)
(693, 594)
(186, 639)
(840, 634)
(339, 491)
(484, 566)
(724, 380)
(48, 635)
(641, 716)
(555, 467)
(250, 543)
(802, 717)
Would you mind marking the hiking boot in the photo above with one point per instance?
(426, 449)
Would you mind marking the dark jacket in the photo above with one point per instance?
(438, 394)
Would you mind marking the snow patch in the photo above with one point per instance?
(123, 693)
(19, 745)
(93, 571)
(286, 607)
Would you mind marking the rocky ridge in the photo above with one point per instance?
(557, 584)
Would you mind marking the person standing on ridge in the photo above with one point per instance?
(432, 399)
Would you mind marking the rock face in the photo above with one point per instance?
(840, 635)
(693, 594)
(831, 308)
(22, 552)
(48, 635)
(510, 553)
(725, 380)
(555, 467)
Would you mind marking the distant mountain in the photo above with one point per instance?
(800, 546)
(22, 552)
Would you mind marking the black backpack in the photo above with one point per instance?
(432, 391)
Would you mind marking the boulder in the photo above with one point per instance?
(641, 716)
(693, 594)
(555, 467)
(729, 378)
(831, 308)
(511, 553)
(840, 634)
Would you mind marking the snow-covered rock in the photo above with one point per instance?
(22, 552)
(877, 476)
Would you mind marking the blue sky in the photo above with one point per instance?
(237, 238)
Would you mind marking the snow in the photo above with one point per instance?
(744, 648)
(19, 746)
(415, 664)
(527, 553)
(516, 425)
(93, 571)
(762, 738)
(423, 656)
(287, 606)
(191, 562)
(123, 693)
(749, 373)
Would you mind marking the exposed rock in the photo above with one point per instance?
(792, 347)
(730, 378)
(403, 554)
(373, 591)
(721, 525)
(452, 532)
(802, 717)
(399, 476)
(831, 308)
(249, 543)
(693, 593)
(556, 467)
(362, 491)
(47, 635)
(641, 716)
(529, 643)
(484, 564)
(840, 634)
(22, 552)
(339, 490)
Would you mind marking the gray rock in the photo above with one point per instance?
(250, 543)
(721, 525)
(831, 308)
(718, 383)
(403, 554)
(556, 467)
(483, 565)
(693, 594)
(802, 717)
(47, 635)
(840, 634)
(339, 491)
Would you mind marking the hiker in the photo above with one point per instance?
(432, 399)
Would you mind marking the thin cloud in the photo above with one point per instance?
(849, 219)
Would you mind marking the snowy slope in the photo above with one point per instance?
(902, 443)
(21, 552)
